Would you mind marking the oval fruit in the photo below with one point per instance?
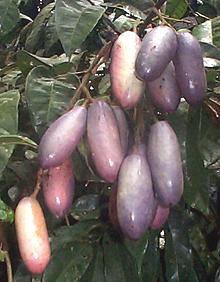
(164, 159)
(157, 50)
(62, 137)
(189, 68)
(160, 217)
(135, 198)
(164, 90)
(58, 189)
(122, 127)
(126, 88)
(32, 235)
(104, 140)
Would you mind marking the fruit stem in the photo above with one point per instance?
(38, 184)
(87, 94)
(8, 264)
(102, 55)
(177, 20)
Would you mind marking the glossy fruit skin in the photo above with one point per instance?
(32, 236)
(160, 217)
(189, 68)
(157, 50)
(163, 154)
(164, 91)
(62, 137)
(122, 127)
(104, 140)
(135, 198)
(126, 88)
(58, 189)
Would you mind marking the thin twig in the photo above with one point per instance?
(9, 268)
(38, 184)
(177, 20)
(150, 16)
(67, 220)
(87, 94)
(213, 162)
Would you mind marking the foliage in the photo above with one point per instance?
(43, 57)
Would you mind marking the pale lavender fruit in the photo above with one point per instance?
(135, 198)
(62, 137)
(126, 88)
(157, 50)
(104, 140)
(160, 217)
(58, 189)
(164, 90)
(122, 127)
(189, 68)
(163, 154)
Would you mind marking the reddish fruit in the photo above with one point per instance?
(160, 217)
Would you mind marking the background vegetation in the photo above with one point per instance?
(45, 50)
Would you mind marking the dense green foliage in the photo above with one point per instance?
(45, 51)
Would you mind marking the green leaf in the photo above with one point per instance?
(8, 123)
(176, 9)
(119, 264)
(87, 207)
(196, 182)
(17, 140)
(35, 39)
(74, 21)
(150, 269)
(178, 252)
(9, 15)
(48, 95)
(209, 32)
(6, 213)
(75, 233)
(69, 263)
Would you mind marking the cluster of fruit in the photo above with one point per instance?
(148, 179)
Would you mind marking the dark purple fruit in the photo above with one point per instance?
(164, 159)
(189, 68)
(164, 90)
(62, 137)
(135, 198)
(32, 236)
(160, 217)
(122, 127)
(58, 189)
(104, 140)
(157, 50)
(112, 208)
(126, 88)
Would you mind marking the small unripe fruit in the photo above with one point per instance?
(58, 189)
(157, 50)
(104, 140)
(160, 217)
(32, 235)
(62, 137)
(126, 88)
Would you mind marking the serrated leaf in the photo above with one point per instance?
(209, 32)
(69, 263)
(196, 184)
(178, 252)
(9, 16)
(176, 9)
(74, 21)
(48, 95)
(8, 123)
(17, 140)
(6, 213)
(119, 265)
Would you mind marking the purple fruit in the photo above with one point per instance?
(164, 90)
(58, 189)
(135, 198)
(122, 127)
(157, 50)
(189, 68)
(126, 88)
(160, 217)
(62, 137)
(164, 159)
(112, 208)
(104, 140)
